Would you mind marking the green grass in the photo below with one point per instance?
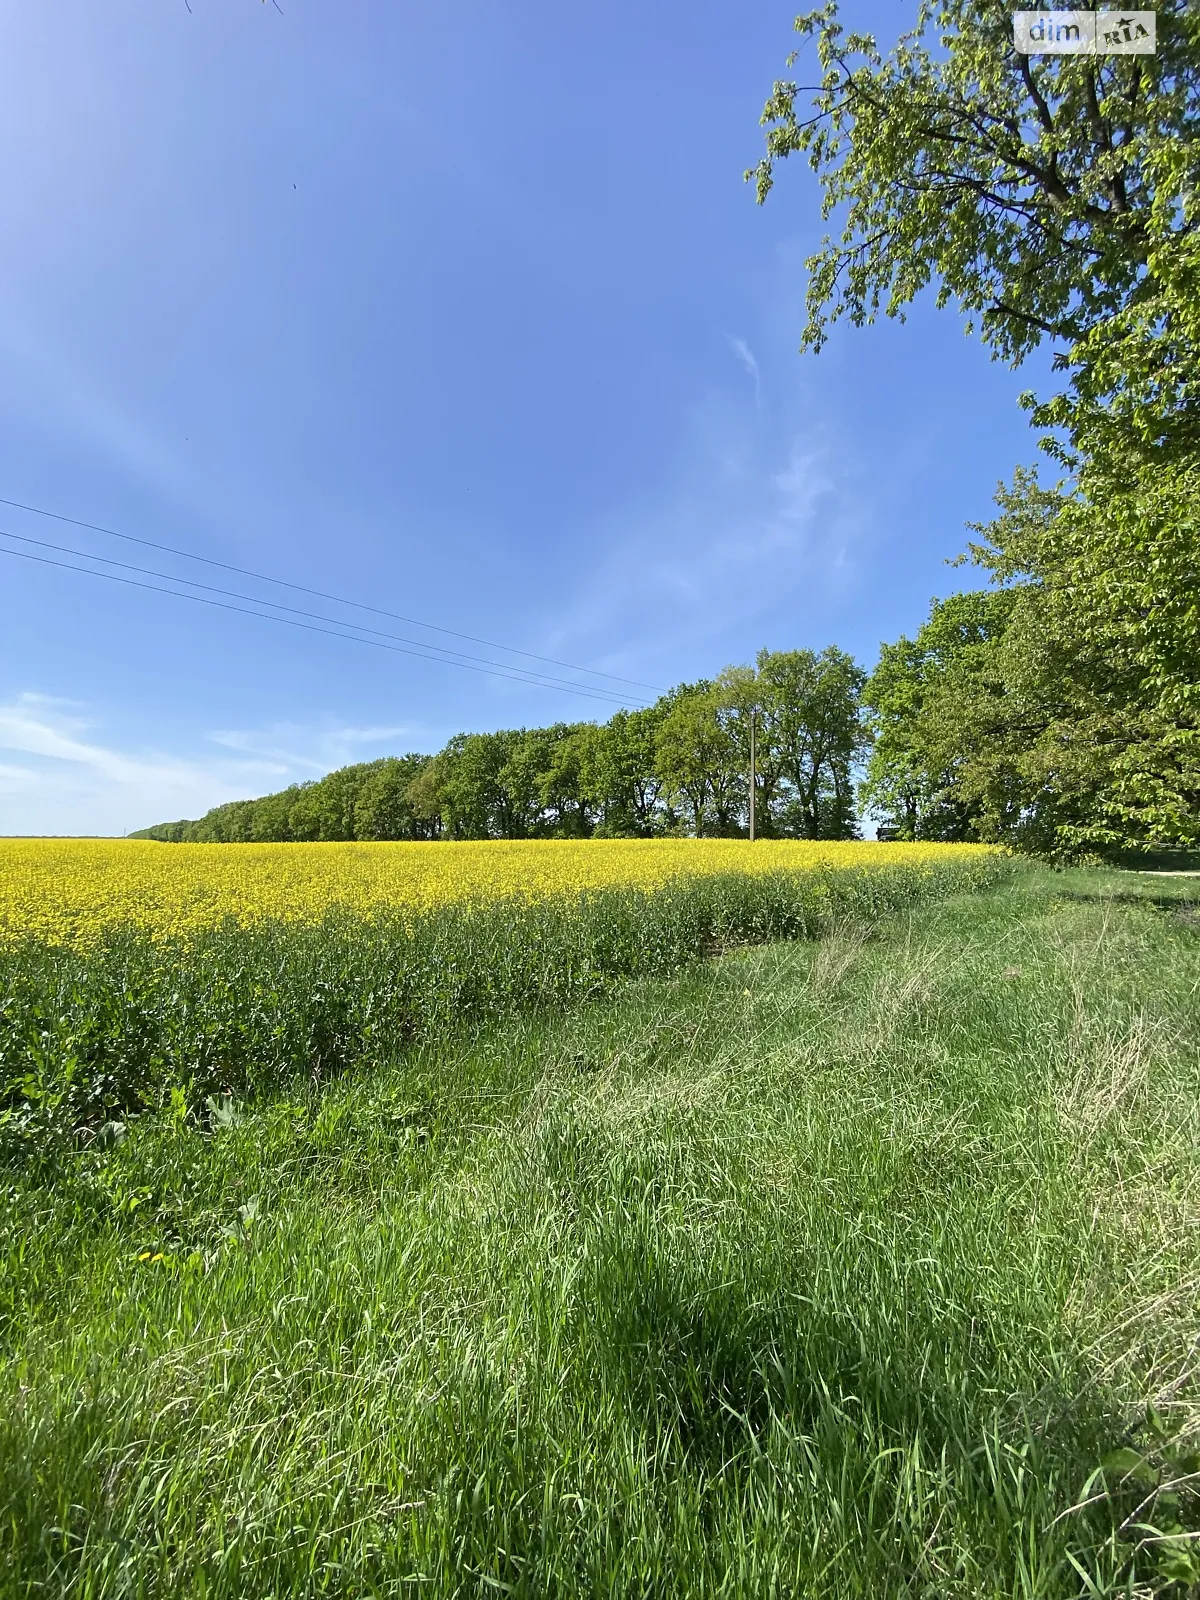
(89, 1036)
(863, 1266)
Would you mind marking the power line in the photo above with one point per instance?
(333, 633)
(452, 658)
(497, 671)
(321, 594)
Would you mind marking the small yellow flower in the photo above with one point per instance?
(67, 891)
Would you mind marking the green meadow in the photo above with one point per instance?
(855, 1265)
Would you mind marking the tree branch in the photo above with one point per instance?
(1035, 94)
(1001, 308)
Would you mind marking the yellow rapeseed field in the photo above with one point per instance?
(65, 891)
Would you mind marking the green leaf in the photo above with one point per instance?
(1127, 1463)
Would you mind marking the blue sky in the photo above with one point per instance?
(460, 311)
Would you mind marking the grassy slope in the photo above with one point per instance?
(826, 1269)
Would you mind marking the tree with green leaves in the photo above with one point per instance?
(679, 765)
(1037, 192)
(914, 780)
(1055, 712)
(619, 776)
(818, 733)
(548, 762)
(383, 808)
(1049, 197)
(1095, 713)
(476, 789)
(325, 810)
(697, 760)
(810, 733)
(366, 801)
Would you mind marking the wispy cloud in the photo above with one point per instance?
(74, 781)
(748, 534)
(319, 749)
(746, 356)
(37, 725)
(71, 782)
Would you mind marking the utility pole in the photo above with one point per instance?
(752, 777)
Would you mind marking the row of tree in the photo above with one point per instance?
(680, 766)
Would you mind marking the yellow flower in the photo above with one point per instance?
(67, 891)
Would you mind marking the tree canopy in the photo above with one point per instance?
(1032, 190)
(1049, 197)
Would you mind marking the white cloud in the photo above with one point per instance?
(72, 783)
(37, 725)
(746, 533)
(318, 750)
(746, 356)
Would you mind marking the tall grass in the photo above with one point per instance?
(854, 1267)
(89, 1036)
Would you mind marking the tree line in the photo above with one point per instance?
(679, 767)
